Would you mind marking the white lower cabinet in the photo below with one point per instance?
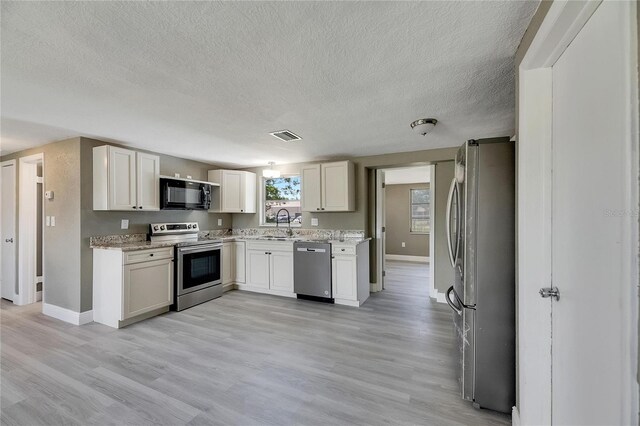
(131, 286)
(240, 263)
(345, 274)
(269, 267)
(350, 273)
(281, 271)
(228, 263)
(233, 264)
(258, 268)
(147, 286)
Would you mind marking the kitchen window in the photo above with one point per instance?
(281, 193)
(420, 211)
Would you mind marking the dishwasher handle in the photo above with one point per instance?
(311, 250)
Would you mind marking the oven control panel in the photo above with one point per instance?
(173, 228)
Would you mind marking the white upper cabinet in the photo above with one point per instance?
(148, 188)
(310, 194)
(125, 180)
(237, 191)
(328, 187)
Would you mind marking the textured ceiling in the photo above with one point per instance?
(210, 80)
(420, 174)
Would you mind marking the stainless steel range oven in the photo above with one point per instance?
(198, 274)
(198, 263)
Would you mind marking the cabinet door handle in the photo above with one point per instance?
(322, 208)
(151, 254)
(140, 207)
(317, 208)
(135, 207)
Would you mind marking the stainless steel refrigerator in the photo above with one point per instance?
(481, 238)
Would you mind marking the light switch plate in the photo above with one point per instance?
(404, 244)
(176, 175)
(48, 220)
(53, 221)
(124, 224)
(219, 222)
(314, 221)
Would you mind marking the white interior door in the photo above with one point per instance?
(592, 367)
(9, 237)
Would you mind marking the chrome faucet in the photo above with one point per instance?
(289, 231)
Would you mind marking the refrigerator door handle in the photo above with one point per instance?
(450, 302)
(453, 192)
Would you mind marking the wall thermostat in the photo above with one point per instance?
(48, 195)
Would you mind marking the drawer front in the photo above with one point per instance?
(270, 245)
(337, 249)
(148, 255)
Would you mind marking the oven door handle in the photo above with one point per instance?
(199, 249)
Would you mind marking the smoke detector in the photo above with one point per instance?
(285, 135)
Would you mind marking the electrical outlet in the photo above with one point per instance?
(48, 220)
(314, 221)
(404, 244)
(124, 224)
(53, 221)
(219, 222)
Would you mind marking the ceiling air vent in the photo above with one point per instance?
(285, 135)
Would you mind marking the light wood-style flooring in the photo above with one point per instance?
(243, 359)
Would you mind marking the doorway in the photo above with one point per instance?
(578, 236)
(30, 230)
(403, 220)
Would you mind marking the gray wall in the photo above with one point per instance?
(443, 272)
(398, 222)
(364, 214)
(62, 242)
(108, 223)
(68, 261)
(363, 217)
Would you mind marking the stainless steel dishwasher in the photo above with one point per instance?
(312, 270)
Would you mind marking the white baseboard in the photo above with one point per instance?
(515, 416)
(405, 258)
(85, 317)
(67, 315)
(440, 297)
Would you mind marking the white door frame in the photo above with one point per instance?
(15, 233)
(433, 292)
(380, 240)
(27, 222)
(562, 23)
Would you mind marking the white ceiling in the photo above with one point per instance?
(210, 80)
(418, 174)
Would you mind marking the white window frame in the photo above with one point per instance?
(411, 218)
(262, 200)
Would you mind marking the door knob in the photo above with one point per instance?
(550, 292)
(8, 240)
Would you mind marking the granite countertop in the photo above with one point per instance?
(145, 245)
(132, 245)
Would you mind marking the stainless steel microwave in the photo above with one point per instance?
(184, 194)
